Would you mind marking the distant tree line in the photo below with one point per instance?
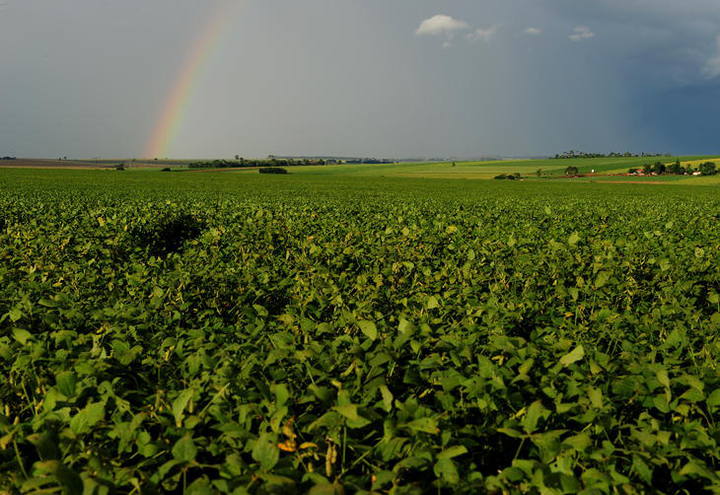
(368, 160)
(676, 168)
(242, 162)
(353, 160)
(273, 161)
(8, 158)
(581, 154)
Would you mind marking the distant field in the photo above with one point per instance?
(429, 170)
(700, 181)
(83, 164)
(47, 163)
(482, 170)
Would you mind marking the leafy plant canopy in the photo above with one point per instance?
(236, 334)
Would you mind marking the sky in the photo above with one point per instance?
(399, 78)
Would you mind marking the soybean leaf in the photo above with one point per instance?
(573, 356)
(368, 328)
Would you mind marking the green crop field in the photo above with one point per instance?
(604, 168)
(368, 330)
(482, 170)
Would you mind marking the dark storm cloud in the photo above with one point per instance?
(667, 54)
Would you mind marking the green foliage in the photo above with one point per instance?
(236, 334)
(515, 176)
(165, 231)
(241, 162)
(272, 170)
(708, 168)
(658, 168)
(675, 168)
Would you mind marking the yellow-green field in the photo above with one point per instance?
(438, 170)
(553, 169)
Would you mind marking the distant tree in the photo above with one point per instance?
(237, 157)
(708, 168)
(272, 170)
(676, 168)
(571, 170)
(647, 168)
(658, 168)
(539, 172)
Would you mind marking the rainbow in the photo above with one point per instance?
(179, 97)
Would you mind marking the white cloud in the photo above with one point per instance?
(441, 25)
(533, 31)
(711, 69)
(581, 33)
(482, 34)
